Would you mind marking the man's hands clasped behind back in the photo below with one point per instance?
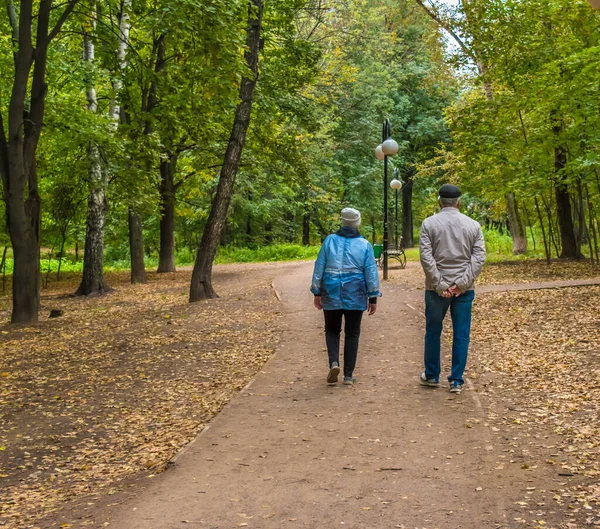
(453, 291)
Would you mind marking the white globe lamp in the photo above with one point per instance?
(396, 184)
(389, 147)
(379, 154)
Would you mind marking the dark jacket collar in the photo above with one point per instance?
(348, 232)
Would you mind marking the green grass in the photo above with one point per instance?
(274, 252)
(225, 255)
(498, 245)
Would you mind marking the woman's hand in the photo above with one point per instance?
(372, 308)
(317, 303)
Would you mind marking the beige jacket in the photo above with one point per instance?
(452, 250)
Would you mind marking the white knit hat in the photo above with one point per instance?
(350, 217)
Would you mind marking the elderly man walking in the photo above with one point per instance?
(452, 256)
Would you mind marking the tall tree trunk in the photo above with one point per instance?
(407, 214)
(26, 271)
(291, 234)
(269, 232)
(563, 199)
(579, 207)
(519, 237)
(117, 81)
(201, 285)
(18, 147)
(306, 229)
(530, 224)
(563, 210)
(546, 242)
(136, 247)
(551, 230)
(92, 281)
(248, 238)
(166, 253)
(61, 252)
(592, 228)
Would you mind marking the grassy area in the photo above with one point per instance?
(498, 245)
(228, 254)
(274, 252)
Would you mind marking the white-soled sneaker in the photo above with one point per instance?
(429, 382)
(334, 371)
(456, 387)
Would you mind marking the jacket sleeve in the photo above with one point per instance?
(477, 259)
(428, 262)
(371, 275)
(319, 270)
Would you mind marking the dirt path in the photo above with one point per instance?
(290, 451)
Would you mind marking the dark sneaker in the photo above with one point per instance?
(455, 387)
(429, 382)
(333, 373)
(349, 381)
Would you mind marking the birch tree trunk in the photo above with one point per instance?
(201, 285)
(134, 219)
(117, 82)
(92, 281)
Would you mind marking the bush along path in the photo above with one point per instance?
(289, 451)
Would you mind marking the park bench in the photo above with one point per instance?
(394, 252)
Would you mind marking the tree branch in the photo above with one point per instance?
(183, 180)
(63, 18)
(183, 147)
(446, 26)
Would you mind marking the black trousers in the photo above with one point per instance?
(333, 329)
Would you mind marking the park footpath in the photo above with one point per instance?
(291, 452)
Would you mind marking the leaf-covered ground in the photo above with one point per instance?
(116, 386)
(536, 271)
(110, 391)
(538, 357)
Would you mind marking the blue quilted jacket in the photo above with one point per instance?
(345, 274)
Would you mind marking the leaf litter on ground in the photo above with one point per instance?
(119, 384)
(536, 356)
(115, 387)
(536, 271)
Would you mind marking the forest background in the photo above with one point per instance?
(138, 133)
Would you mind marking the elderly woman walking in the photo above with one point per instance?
(345, 284)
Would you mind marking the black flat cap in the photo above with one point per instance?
(449, 191)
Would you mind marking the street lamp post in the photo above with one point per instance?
(387, 148)
(396, 185)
